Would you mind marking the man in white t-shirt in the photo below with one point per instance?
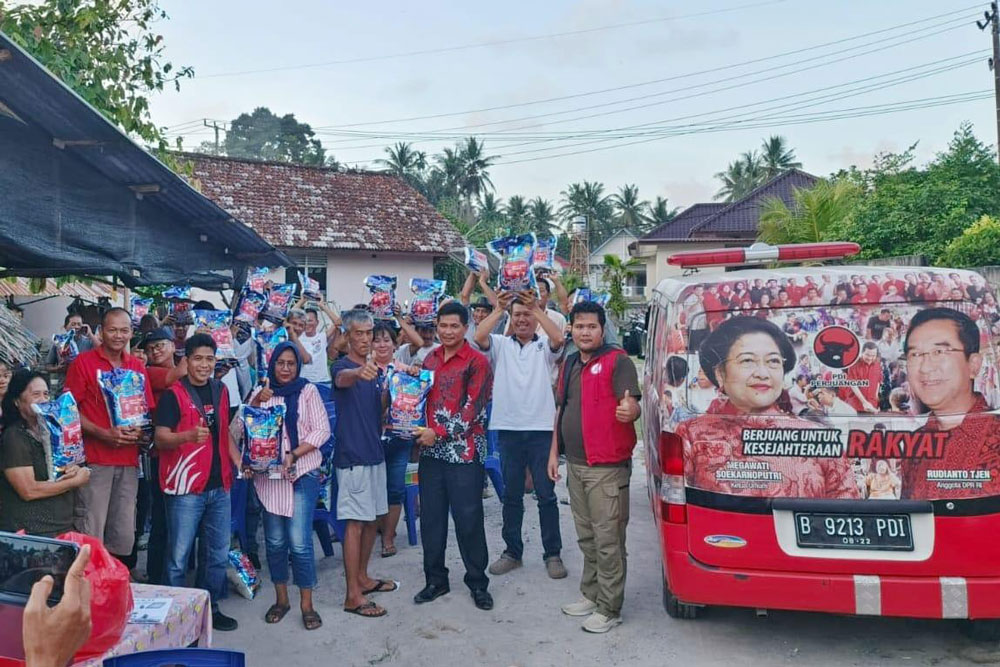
(524, 415)
(313, 344)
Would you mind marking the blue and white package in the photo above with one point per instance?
(266, 342)
(515, 254)
(125, 395)
(407, 401)
(587, 294)
(217, 323)
(544, 257)
(427, 296)
(140, 308)
(262, 430)
(65, 346)
(62, 419)
(310, 287)
(383, 296)
(279, 302)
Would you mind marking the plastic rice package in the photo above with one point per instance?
(310, 288)
(383, 295)
(587, 294)
(65, 346)
(62, 418)
(279, 302)
(515, 254)
(242, 574)
(427, 295)
(249, 306)
(544, 257)
(140, 308)
(266, 342)
(125, 395)
(407, 401)
(257, 279)
(262, 438)
(179, 303)
(217, 323)
(476, 260)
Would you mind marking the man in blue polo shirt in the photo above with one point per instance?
(523, 414)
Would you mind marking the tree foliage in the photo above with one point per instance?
(263, 135)
(816, 214)
(615, 275)
(632, 213)
(752, 169)
(108, 51)
(979, 245)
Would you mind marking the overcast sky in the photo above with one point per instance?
(305, 44)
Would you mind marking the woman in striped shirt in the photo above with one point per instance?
(289, 501)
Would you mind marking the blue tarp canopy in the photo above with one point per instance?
(78, 197)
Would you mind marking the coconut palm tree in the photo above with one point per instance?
(403, 160)
(817, 213)
(518, 216)
(741, 177)
(542, 217)
(474, 176)
(630, 209)
(661, 212)
(776, 156)
(490, 221)
(588, 199)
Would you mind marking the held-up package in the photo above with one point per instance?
(427, 296)
(217, 323)
(515, 254)
(383, 296)
(279, 302)
(587, 294)
(140, 308)
(125, 395)
(257, 279)
(407, 401)
(62, 419)
(476, 260)
(249, 306)
(65, 346)
(544, 257)
(262, 438)
(179, 303)
(310, 287)
(266, 342)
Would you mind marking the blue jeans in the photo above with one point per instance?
(397, 456)
(205, 516)
(520, 450)
(293, 535)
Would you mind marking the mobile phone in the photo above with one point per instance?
(24, 559)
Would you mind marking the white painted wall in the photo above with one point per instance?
(346, 272)
(656, 261)
(46, 317)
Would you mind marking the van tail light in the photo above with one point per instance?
(760, 253)
(672, 494)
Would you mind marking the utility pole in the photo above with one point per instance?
(991, 19)
(215, 126)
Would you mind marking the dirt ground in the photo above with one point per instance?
(526, 627)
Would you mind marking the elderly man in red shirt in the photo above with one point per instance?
(864, 397)
(105, 508)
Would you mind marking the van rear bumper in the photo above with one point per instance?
(916, 597)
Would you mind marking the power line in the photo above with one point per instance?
(499, 42)
(640, 84)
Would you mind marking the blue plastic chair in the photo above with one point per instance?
(412, 494)
(180, 657)
(238, 504)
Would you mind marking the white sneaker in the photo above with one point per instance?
(582, 608)
(599, 623)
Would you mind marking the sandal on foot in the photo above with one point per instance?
(389, 551)
(364, 609)
(382, 586)
(311, 620)
(275, 613)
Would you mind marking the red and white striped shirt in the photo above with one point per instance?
(276, 495)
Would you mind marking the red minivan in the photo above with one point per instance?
(825, 438)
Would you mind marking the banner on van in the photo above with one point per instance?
(842, 383)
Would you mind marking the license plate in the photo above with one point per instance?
(877, 532)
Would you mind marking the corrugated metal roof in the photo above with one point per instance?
(39, 99)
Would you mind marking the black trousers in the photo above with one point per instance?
(156, 552)
(457, 487)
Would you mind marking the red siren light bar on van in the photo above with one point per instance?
(760, 253)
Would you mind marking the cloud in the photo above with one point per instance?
(861, 157)
(686, 192)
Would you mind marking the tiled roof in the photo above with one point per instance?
(22, 287)
(679, 229)
(294, 206)
(740, 219)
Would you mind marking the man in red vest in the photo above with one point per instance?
(597, 403)
(196, 472)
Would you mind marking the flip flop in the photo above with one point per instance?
(361, 609)
(383, 586)
(275, 613)
(311, 620)
(388, 552)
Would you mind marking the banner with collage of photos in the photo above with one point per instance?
(833, 382)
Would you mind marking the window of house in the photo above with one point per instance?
(312, 266)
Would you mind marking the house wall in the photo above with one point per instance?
(655, 259)
(618, 246)
(45, 317)
(346, 272)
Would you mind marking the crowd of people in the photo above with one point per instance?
(520, 375)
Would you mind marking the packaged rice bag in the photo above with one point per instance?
(262, 438)
(427, 295)
(62, 418)
(587, 294)
(310, 287)
(476, 260)
(140, 308)
(179, 303)
(383, 299)
(407, 401)
(266, 342)
(544, 257)
(249, 306)
(257, 279)
(125, 395)
(242, 574)
(515, 254)
(217, 323)
(65, 346)
(279, 302)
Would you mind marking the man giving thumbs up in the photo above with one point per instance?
(596, 404)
